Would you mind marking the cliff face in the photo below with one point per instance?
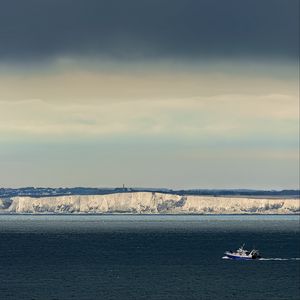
(149, 203)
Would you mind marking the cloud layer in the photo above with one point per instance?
(42, 30)
(175, 93)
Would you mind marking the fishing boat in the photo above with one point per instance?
(243, 254)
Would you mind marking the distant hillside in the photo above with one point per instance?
(44, 192)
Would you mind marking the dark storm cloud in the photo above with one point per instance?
(43, 29)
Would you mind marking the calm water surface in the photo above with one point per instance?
(147, 257)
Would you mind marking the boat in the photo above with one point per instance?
(243, 254)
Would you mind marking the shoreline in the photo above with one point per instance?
(139, 215)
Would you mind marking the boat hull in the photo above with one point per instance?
(231, 256)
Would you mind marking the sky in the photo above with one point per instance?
(147, 93)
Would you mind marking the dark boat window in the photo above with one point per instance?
(247, 252)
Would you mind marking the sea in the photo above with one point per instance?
(120, 257)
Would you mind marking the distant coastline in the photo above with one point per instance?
(148, 203)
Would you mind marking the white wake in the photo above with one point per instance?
(278, 258)
(268, 258)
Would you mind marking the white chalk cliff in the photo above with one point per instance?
(149, 203)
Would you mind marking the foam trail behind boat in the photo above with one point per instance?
(268, 258)
(278, 258)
